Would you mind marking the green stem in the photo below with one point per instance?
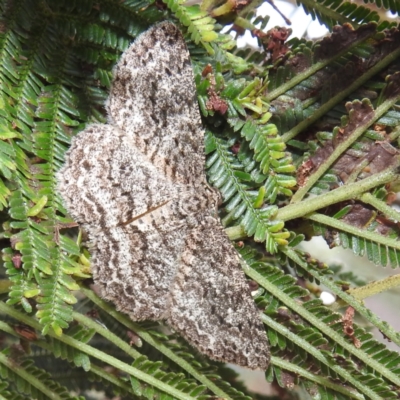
(386, 330)
(342, 95)
(381, 206)
(298, 78)
(91, 351)
(244, 23)
(371, 289)
(319, 380)
(237, 232)
(27, 377)
(318, 355)
(341, 149)
(107, 334)
(357, 171)
(317, 323)
(93, 368)
(363, 233)
(345, 192)
(109, 309)
(101, 372)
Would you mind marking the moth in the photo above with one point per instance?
(137, 185)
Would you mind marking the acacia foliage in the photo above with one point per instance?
(301, 138)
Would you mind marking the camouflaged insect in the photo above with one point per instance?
(138, 187)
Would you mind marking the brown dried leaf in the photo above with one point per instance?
(215, 102)
(274, 41)
(359, 216)
(342, 38)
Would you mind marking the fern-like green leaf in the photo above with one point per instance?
(327, 109)
(199, 24)
(32, 381)
(332, 12)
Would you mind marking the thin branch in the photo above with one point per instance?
(342, 193)
(96, 353)
(317, 114)
(323, 327)
(110, 310)
(385, 328)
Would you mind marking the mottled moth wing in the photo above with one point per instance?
(154, 84)
(125, 206)
(135, 266)
(211, 304)
(138, 186)
(106, 181)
